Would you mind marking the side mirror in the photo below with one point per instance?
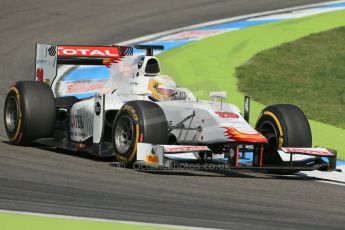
(217, 94)
(246, 108)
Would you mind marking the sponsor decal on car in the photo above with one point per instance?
(52, 50)
(309, 151)
(88, 51)
(81, 87)
(126, 50)
(81, 124)
(152, 157)
(184, 148)
(132, 111)
(225, 114)
(39, 74)
(98, 108)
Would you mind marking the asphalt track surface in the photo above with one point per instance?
(60, 182)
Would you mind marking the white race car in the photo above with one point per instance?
(141, 115)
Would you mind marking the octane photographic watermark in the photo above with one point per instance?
(177, 166)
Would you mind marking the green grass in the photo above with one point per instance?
(9, 221)
(210, 64)
(308, 72)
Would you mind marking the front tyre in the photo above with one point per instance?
(138, 121)
(283, 125)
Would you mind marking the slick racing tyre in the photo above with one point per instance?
(283, 125)
(29, 112)
(138, 121)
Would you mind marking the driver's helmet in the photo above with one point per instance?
(162, 87)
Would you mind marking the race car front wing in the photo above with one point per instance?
(316, 158)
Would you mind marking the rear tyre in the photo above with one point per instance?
(138, 121)
(283, 125)
(29, 112)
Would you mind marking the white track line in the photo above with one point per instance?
(331, 182)
(333, 176)
(221, 21)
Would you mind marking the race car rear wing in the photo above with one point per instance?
(48, 57)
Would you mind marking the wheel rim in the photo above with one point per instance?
(268, 130)
(11, 114)
(124, 134)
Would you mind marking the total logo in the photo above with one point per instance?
(88, 51)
